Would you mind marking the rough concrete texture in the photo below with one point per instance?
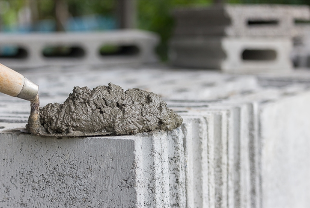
(237, 146)
(66, 173)
(232, 176)
(108, 109)
(200, 176)
(240, 20)
(134, 47)
(233, 55)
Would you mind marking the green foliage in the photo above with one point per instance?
(155, 16)
(104, 7)
(9, 16)
(45, 8)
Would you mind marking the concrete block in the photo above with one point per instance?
(239, 20)
(285, 151)
(152, 175)
(35, 50)
(206, 165)
(268, 98)
(130, 171)
(256, 145)
(236, 147)
(197, 174)
(237, 122)
(301, 53)
(233, 55)
(248, 145)
(231, 144)
(177, 176)
(48, 172)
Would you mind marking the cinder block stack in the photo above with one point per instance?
(236, 38)
(37, 50)
(244, 143)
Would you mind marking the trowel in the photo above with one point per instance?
(16, 85)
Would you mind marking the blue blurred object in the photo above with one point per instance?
(91, 23)
(74, 24)
(45, 26)
(8, 51)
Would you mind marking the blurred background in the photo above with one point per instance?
(26, 16)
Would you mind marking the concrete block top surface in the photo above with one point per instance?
(56, 83)
(63, 36)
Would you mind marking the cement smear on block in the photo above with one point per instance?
(34, 126)
(108, 109)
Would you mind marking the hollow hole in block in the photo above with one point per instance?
(59, 51)
(13, 52)
(263, 22)
(259, 55)
(307, 61)
(182, 90)
(302, 22)
(118, 50)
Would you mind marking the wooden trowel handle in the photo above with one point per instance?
(16, 85)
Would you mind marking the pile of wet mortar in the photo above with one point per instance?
(108, 109)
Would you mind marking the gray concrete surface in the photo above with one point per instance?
(284, 156)
(50, 172)
(243, 143)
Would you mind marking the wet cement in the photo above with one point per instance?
(34, 126)
(108, 109)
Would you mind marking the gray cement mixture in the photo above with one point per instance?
(108, 109)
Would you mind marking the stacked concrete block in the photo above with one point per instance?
(241, 144)
(233, 55)
(32, 50)
(240, 20)
(301, 52)
(236, 38)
